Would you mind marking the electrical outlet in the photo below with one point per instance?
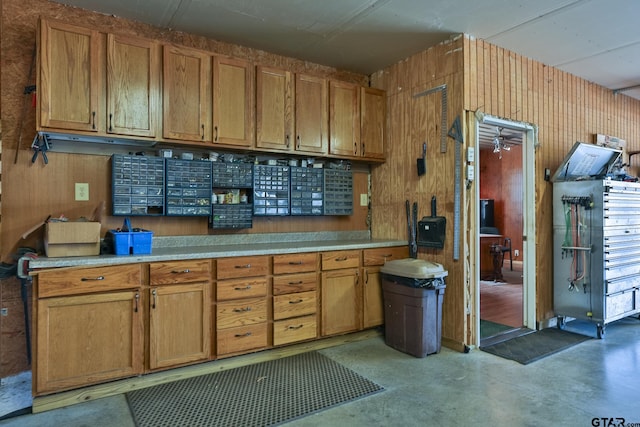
(82, 191)
(364, 200)
(516, 253)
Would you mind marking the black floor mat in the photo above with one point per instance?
(263, 394)
(535, 346)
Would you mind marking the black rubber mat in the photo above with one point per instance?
(535, 346)
(263, 394)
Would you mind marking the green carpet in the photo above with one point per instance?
(535, 346)
(489, 328)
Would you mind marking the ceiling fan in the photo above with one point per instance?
(499, 142)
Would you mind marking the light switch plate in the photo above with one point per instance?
(364, 200)
(82, 191)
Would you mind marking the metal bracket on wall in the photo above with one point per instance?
(443, 124)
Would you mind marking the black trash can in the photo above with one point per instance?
(413, 290)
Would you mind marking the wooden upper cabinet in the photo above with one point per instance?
(70, 77)
(274, 108)
(133, 85)
(372, 122)
(344, 119)
(186, 94)
(233, 102)
(311, 114)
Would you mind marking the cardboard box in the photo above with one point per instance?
(72, 238)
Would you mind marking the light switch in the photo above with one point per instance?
(364, 200)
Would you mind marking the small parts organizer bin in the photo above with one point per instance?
(131, 241)
(138, 185)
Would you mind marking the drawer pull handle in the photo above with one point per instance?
(295, 263)
(186, 270)
(342, 258)
(387, 256)
(246, 288)
(299, 282)
(298, 301)
(89, 279)
(243, 266)
(241, 310)
(295, 328)
(247, 334)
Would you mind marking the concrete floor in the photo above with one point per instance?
(595, 379)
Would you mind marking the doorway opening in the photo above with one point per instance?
(505, 217)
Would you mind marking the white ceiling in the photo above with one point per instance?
(598, 40)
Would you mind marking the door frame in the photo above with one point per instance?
(529, 145)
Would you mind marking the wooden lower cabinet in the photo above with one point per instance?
(179, 324)
(179, 303)
(372, 302)
(87, 339)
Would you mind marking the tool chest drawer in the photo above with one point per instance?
(88, 280)
(241, 288)
(295, 263)
(167, 273)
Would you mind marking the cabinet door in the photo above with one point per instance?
(70, 77)
(186, 94)
(88, 339)
(233, 102)
(341, 298)
(274, 108)
(344, 119)
(372, 122)
(311, 114)
(179, 324)
(132, 86)
(372, 300)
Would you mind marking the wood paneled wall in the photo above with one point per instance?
(31, 192)
(565, 108)
(482, 77)
(410, 122)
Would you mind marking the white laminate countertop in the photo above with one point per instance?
(187, 248)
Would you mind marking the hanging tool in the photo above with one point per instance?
(28, 90)
(40, 144)
(456, 133)
(23, 274)
(422, 162)
(443, 124)
(414, 231)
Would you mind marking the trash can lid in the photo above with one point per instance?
(414, 268)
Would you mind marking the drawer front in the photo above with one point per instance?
(292, 330)
(167, 273)
(234, 340)
(237, 267)
(336, 260)
(295, 283)
(294, 305)
(241, 288)
(241, 313)
(379, 256)
(295, 263)
(621, 304)
(88, 280)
